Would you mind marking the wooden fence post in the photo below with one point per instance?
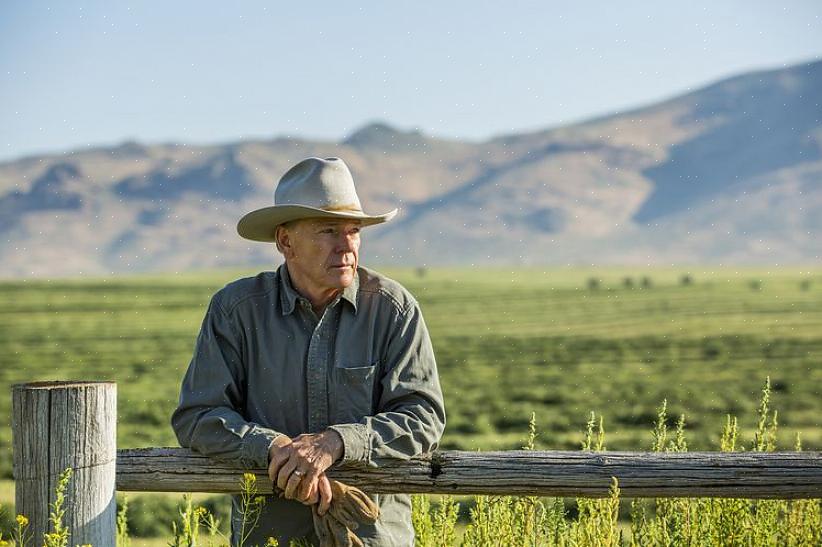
(60, 425)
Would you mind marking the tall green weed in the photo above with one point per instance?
(530, 521)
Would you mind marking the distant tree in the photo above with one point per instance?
(755, 284)
(805, 285)
(422, 271)
(686, 280)
(646, 282)
(628, 282)
(593, 283)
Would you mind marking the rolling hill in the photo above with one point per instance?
(730, 173)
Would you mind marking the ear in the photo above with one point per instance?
(282, 238)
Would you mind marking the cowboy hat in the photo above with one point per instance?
(314, 188)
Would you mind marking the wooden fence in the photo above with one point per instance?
(59, 425)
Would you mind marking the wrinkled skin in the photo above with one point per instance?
(321, 255)
(311, 455)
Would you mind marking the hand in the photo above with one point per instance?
(296, 465)
(325, 494)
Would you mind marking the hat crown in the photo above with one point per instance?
(314, 188)
(322, 183)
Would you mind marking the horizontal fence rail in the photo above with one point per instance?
(782, 475)
(72, 425)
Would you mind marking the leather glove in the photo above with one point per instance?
(333, 533)
(349, 507)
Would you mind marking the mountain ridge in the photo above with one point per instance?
(640, 186)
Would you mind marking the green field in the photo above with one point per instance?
(507, 342)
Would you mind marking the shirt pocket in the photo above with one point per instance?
(354, 387)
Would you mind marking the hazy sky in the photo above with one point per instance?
(74, 74)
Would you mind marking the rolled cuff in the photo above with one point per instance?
(356, 442)
(256, 445)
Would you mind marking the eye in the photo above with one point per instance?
(327, 231)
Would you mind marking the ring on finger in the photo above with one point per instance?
(298, 472)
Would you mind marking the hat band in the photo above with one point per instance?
(342, 209)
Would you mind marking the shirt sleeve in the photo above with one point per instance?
(411, 414)
(208, 418)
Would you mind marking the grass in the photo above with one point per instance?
(533, 521)
(553, 345)
(508, 342)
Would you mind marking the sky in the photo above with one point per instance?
(81, 74)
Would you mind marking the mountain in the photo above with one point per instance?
(729, 173)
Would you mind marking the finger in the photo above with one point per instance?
(312, 474)
(314, 498)
(285, 473)
(325, 495)
(307, 491)
(354, 541)
(291, 486)
(278, 457)
(361, 506)
(340, 512)
(274, 469)
(272, 472)
(304, 490)
(281, 455)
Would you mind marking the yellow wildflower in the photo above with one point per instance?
(22, 520)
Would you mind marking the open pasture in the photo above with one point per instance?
(561, 342)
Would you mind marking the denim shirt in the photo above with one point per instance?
(265, 365)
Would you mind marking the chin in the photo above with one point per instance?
(344, 279)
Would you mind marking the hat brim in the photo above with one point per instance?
(260, 225)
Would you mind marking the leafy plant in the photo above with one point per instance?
(59, 535)
(122, 539)
(530, 521)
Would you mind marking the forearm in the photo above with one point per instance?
(207, 418)
(222, 433)
(401, 433)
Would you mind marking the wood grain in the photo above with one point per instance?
(61, 425)
(784, 475)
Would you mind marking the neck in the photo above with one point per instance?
(319, 298)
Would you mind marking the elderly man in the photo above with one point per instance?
(318, 363)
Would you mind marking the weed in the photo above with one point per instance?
(529, 521)
(59, 535)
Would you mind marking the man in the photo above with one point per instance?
(318, 363)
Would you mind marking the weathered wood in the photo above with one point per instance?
(784, 475)
(60, 425)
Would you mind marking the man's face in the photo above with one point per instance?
(323, 253)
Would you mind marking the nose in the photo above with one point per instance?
(347, 242)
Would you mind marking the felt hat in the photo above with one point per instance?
(314, 188)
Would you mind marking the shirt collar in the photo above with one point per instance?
(289, 295)
(350, 292)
